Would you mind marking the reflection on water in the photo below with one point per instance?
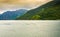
(29, 29)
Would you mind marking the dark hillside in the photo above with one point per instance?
(49, 11)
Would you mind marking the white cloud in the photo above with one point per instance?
(17, 4)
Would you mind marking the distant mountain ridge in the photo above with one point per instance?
(11, 15)
(49, 11)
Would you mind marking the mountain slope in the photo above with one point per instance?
(11, 15)
(49, 11)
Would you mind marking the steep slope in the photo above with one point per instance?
(11, 15)
(49, 11)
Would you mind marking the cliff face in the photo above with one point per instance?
(49, 11)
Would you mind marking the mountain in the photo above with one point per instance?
(48, 11)
(11, 15)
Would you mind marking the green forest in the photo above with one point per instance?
(48, 11)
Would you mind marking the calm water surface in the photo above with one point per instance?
(29, 28)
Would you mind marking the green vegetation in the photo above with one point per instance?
(49, 11)
(35, 17)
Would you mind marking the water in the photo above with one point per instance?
(29, 28)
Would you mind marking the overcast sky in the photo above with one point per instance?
(6, 5)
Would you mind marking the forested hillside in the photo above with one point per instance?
(49, 11)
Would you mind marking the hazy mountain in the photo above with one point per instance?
(48, 11)
(11, 15)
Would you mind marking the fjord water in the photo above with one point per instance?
(29, 28)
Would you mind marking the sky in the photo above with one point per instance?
(10, 5)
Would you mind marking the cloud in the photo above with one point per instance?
(17, 4)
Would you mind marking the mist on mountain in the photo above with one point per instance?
(11, 15)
